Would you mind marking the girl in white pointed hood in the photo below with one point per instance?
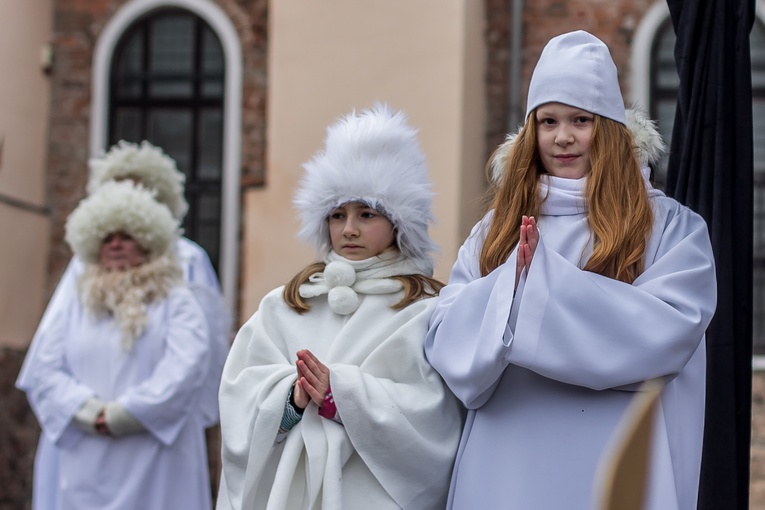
(327, 401)
(117, 378)
(580, 283)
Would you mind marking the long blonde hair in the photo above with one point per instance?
(619, 213)
(416, 287)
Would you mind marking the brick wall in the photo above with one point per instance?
(18, 437)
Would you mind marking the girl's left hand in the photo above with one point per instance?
(315, 376)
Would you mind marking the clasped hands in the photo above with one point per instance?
(312, 380)
(527, 245)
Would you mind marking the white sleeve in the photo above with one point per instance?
(164, 402)
(572, 325)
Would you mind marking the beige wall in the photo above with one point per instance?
(325, 59)
(24, 99)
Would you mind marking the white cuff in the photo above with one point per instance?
(85, 418)
(120, 421)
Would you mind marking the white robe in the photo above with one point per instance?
(400, 425)
(200, 276)
(547, 374)
(158, 383)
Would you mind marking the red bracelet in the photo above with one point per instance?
(328, 409)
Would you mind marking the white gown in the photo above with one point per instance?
(547, 374)
(158, 383)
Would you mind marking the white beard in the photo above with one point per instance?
(126, 294)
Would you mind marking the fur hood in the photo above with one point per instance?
(649, 146)
(148, 165)
(120, 207)
(371, 157)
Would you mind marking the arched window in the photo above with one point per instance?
(664, 84)
(167, 86)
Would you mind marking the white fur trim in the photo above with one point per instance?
(371, 157)
(120, 207)
(649, 145)
(147, 164)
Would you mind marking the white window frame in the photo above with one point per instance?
(219, 22)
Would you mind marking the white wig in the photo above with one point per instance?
(371, 157)
(146, 164)
(120, 207)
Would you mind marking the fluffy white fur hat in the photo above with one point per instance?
(371, 157)
(576, 69)
(147, 164)
(120, 207)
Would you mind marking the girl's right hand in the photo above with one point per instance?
(526, 246)
(299, 395)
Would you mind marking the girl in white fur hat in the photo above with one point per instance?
(327, 401)
(579, 284)
(118, 377)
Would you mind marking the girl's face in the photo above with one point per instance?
(563, 139)
(359, 232)
(119, 251)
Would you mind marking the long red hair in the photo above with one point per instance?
(619, 213)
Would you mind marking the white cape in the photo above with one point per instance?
(400, 425)
(547, 373)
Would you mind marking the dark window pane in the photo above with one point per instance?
(130, 68)
(128, 124)
(171, 130)
(212, 65)
(172, 57)
(210, 144)
(757, 45)
(758, 305)
(208, 207)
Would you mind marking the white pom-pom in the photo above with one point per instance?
(343, 300)
(339, 273)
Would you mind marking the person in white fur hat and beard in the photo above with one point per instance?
(119, 377)
(327, 400)
(148, 165)
(581, 282)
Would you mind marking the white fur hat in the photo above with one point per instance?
(120, 207)
(576, 69)
(371, 157)
(147, 164)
